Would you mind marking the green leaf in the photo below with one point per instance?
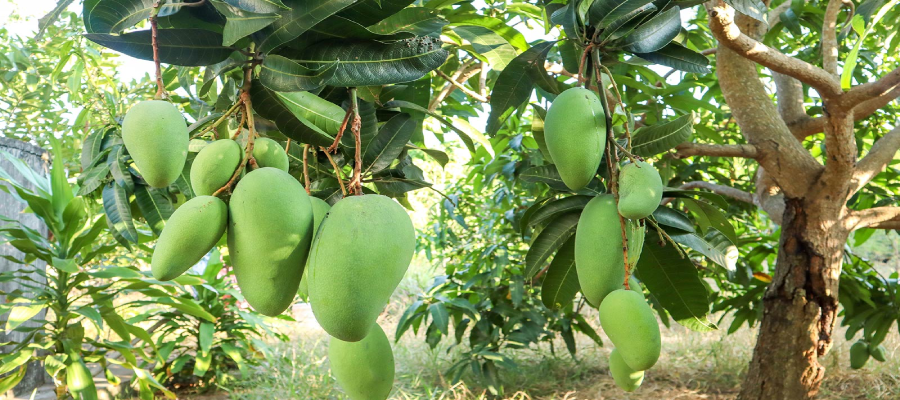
(655, 33)
(675, 283)
(561, 282)
(440, 316)
(234, 353)
(118, 211)
(65, 265)
(61, 192)
(115, 322)
(268, 104)
(320, 113)
(114, 16)
(188, 47)
(202, 364)
(283, 75)
(93, 178)
(652, 140)
(548, 174)
(389, 143)
(673, 218)
(709, 216)
(188, 306)
(722, 253)
(19, 314)
(515, 83)
(537, 130)
(498, 26)
(679, 57)
(370, 12)
(498, 52)
(10, 381)
(441, 157)
(464, 136)
(417, 20)
(10, 361)
(755, 9)
(120, 173)
(258, 6)
(206, 336)
(549, 241)
(369, 63)
(852, 58)
(240, 23)
(297, 19)
(154, 205)
(604, 12)
(557, 207)
(47, 20)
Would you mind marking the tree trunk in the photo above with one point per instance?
(800, 306)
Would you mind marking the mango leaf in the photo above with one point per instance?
(549, 241)
(240, 23)
(672, 218)
(370, 12)
(297, 19)
(603, 12)
(369, 63)
(283, 75)
(336, 27)
(258, 6)
(268, 104)
(115, 321)
(116, 161)
(652, 140)
(755, 9)
(154, 205)
(556, 207)
(498, 26)
(322, 113)
(187, 47)
(679, 57)
(418, 20)
(722, 253)
(498, 52)
(115, 16)
(711, 217)
(655, 33)
(388, 144)
(118, 211)
(464, 136)
(561, 282)
(515, 83)
(675, 283)
(440, 316)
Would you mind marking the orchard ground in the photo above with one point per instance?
(693, 365)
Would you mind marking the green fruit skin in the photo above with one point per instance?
(640, 190)
(634, 285)
(877, 352)
(320, 209)
(270, 228)
(631, 326)
(625, 377)
(80, 382)
(214, 166)
(859, 354)
(190, 233)
(268, 153)
(359, 256)
(598, 248)
(575, 131)
(156, 137)
(364, 369)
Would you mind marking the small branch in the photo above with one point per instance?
(881, 153)
(877, 218)
(723, 190)
(482, 79)
(449, 88)
(708, 52)
(337, 171)
(154, 30)
(356, 182)
(337, 138)
(829, 37)
(306, 168)
(806, 127)
(868, 91)
(469, 92)
(287, 146)
(716, 150)
(219, 121)
(663, 236)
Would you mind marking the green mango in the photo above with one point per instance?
(364, 369)
(640, 190)
(575, 133)
(156, 137)
(598, 248)
(270, 228)
(859, 354)
(214, 166)
(359, 256)
(79, 381)
(630, 324)
(320, 209)
(268, 153)
(877, 352)
(625, 377)
(190, 233)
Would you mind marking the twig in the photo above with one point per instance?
(581, 78)
(337, 171)
(305, 167)
(663, 234)
(619, 98)
(463, 73)
(251, 135)
(356, 182)
(219, 121)
(469, 92)
(337, 138)
(482, 79)
(287, 146)
(154, 30)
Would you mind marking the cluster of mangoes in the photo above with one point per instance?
(350, 257)
(862, 350)
(575, 131)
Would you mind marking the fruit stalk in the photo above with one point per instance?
(337, 171)
(251, 136)
(305, 166)
(627, 150)
(154, 29)
(230, 112)
(340, 133)
(356, 182)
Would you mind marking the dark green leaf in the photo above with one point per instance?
(515, 83)
(560, 206)
(673, 218)
(387, 145)
(418, 20)
(115, 16)
(188, 47)
(549, 241)
(297, 19)
(240, 23)
(652, 140)
(440, 316)
(561, 282)
(154, 205)
(709, 216)
(679, 57)
(258, 6)
(118, 211)
(370, 12)
(498, 52)
(723, 253)
(604, 12)
(655, 33)
(283, 75)
(268, 104)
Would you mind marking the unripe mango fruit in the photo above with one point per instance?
(598, 248)
(630, 324)
(359, 256)
(625, 377)
(640, 190)
(270, 228)
(268, 153)
(190, 233)
(877, 352)
(156, 137)
(859, 354)
(214, 166)
(320, 209)
(80, 382)
(364, 369)
(575, 133)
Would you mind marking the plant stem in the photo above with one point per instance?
(337, 138)
(337, 171)
(305, 166)
(154, 30)
(251, 135)
(663, 234)
(356, 182)
(219, 121)
(619, 98)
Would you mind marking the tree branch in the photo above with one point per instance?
(716, 150)
(449, 88)
(723, 190)
(810, 126)
(469, 92)
(722, 24)
(774, 16)
(881, 153)
(829, 37)
(877, 218)
(868, 91)
(789, 93)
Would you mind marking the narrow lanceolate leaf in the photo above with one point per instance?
(258, 6)
(515, 83)
(370, 12)
(114, 16)
(755, 9)
(370, 63)
(500, 27)
(655, 33)
(154, 205)
(557, 207)
(604, 12)
(652, 140)
(418, 20)
(51, 17)
(722, 253)
(118, 211)
(673, 220)
(675, 283)
(626, 24)
(297, 19)
(679, 57)
(322, 113)
(239, 23)
(336, 27)
(389, 143)
(561, 282)
(267, 104)
(498, 52)
(188, 47)
(283, 75)
(549, 241)
(116, 161)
